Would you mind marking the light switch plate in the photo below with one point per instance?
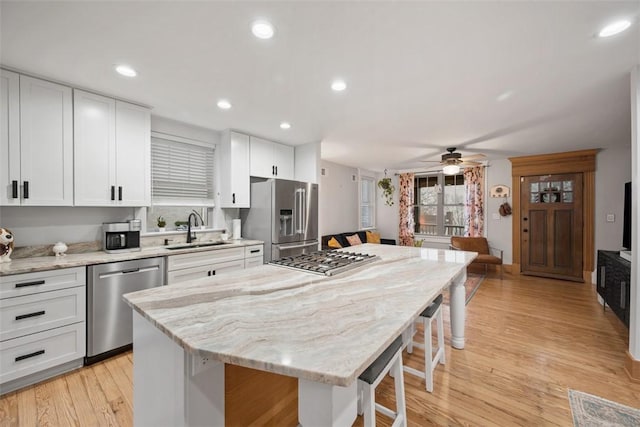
(496, 216)
(611, 218)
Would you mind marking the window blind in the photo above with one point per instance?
(181, 173)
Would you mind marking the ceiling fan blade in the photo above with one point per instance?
(473, 157)
(431, 161)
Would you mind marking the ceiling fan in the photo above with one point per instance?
(452, 160)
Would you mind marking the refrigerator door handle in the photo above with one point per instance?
(303, 204)
(298, 209)
(314, 243)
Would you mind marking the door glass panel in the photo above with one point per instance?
(551, 197)
(556, 186)
(567, 185)
(426, 219)
(535, 197)
(534, 187)
(544, 186)
(567, 197)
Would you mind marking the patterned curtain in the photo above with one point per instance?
(474, 202)
(406, 209)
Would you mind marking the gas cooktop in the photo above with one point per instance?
(326, 263)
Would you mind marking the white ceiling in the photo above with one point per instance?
(421, 76)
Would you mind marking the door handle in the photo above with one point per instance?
(273, 170)
(113, 192)
(233, 198)
(276, 170)
(525, 218)
(14, 189)
(25, 190)
(120, 193)
(525, 230)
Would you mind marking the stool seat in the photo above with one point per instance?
(389, 361)
(433, 307)
(375, 369)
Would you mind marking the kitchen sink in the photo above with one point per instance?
(196, 245)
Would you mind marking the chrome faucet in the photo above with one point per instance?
(191, 237)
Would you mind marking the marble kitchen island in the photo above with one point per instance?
(322, 330)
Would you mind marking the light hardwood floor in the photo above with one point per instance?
(529, 340)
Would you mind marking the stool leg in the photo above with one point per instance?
(441, 336)
(412, 331)
(360, 397)
(428, 354)
(368, 405)
(401, 408)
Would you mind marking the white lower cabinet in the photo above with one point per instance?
(42, 325)
(253, 256)
(191, 266)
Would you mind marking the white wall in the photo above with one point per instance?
(338, 199)
(388, 217)
(499, 229)
(307, 162)
(634, 322)
(35, 225)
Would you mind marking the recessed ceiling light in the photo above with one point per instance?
(338, 85)
(262, 29)
(285, 125)
(615, 28)
(223, 104)
(126, 70)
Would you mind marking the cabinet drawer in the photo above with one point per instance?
(200, 272)
(39, 312)
(32, 283)
(36, 352)
(253, 251)
(253, 262)
(178, 262)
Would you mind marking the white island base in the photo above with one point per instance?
(177, 388)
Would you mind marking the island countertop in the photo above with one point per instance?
(323, 329)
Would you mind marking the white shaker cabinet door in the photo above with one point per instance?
(234, 170)
(262, 164)
(283, 160)
(9, 138)
(46, 143)
(94, 147)
(133, 154)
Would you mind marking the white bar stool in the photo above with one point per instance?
(430, 360)
(390, 359)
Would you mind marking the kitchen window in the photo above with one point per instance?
(181, 171)
(367, 202)
(439, 204)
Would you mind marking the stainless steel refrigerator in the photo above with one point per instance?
(283, 214)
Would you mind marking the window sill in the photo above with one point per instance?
(176, 232)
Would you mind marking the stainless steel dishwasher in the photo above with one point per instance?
(109, 318)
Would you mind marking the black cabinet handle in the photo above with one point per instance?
(276, 171)
(273, 170)
(25, 284)
(26, 316)
(25, 190)
(26, 356)
(113, 192)
(209, 273)
(253, 251)
(14, 189)
(233, 198)
(120, 193)
(213, 272)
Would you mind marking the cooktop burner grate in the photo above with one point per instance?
(326, 263)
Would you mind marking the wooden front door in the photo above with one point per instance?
(551, 226)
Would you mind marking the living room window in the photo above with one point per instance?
(367, 202)
(439, 204)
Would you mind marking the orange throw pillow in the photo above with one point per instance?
(354, 240)
(333, 243)
(373, 237)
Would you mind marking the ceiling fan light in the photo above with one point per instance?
(451, 169)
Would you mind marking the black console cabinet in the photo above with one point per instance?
(614, 283)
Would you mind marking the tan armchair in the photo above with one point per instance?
(486, 254)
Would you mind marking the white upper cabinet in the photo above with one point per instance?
(37, 160)
(270, 159)
(112, 152)
(234, 170)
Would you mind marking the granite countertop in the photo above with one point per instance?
(44, 263)
(326, 329)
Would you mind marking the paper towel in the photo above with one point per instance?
(236, 229)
